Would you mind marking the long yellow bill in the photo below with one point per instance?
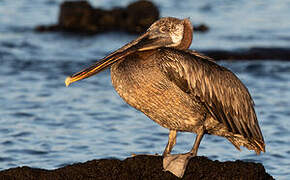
(142, 43)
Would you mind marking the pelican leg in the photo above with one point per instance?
(197, 143)
(177, 163)
(171, 142)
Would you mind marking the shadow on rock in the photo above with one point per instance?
(142, 167)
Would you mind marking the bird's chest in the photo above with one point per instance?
(142, 84)
(139, 82)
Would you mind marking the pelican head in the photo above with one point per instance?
(166, 32)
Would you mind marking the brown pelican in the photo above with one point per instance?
(181, 90)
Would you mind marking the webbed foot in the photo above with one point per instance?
(176, 163)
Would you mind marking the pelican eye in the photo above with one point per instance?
(162, 29)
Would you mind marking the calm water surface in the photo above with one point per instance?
(46, 125)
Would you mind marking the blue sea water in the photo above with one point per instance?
(44, 124)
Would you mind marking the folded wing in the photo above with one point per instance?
(222, 93)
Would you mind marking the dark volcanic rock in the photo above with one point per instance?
(142, 167)
(201, 28)
(76, 16)
(80, 16)
(256, 53)
(140, 15)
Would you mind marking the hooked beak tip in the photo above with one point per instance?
(67, 81)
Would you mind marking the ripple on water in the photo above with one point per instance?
(5, 130)
(279, 156)
(21, 134)
(7, 143)
(79, 148)
(44, 94)
(26, 151)
(6, 159)
(280, 131)
(249, 160)
(22, 114)
(255, 68)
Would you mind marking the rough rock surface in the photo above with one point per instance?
(142, 167)
(81, 17)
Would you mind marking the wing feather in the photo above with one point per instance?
(223, 94)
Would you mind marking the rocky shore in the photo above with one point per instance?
(141, 167)
(81, 17)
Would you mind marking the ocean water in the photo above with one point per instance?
(46, 125)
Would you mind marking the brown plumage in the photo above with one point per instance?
(223, 95)
(181, 89)
(217, 94)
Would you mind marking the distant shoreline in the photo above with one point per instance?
(254, 53)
